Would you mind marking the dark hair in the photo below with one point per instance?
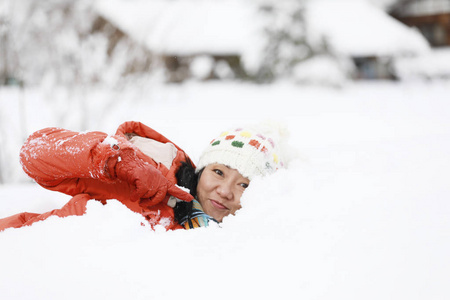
(186, 177)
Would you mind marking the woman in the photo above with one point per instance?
(144, 170)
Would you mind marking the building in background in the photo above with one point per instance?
(431, 17)
(113, 41)
(211, 40)
(202, 39)
(366, 34)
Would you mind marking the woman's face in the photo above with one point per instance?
(219, 190)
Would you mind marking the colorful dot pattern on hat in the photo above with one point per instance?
(243, 139)
(237, 144)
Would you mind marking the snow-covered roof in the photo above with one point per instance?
(424, 7)
(184, 27)
(358, 28)
(223, 27)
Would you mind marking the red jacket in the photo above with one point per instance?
(92, 165)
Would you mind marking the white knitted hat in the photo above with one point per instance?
(253, 151)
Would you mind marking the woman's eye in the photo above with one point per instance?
(218, 172)
(244, 185)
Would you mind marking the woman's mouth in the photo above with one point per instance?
(218, 205)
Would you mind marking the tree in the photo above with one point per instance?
(285, 39)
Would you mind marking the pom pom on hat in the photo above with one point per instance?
(255, 150)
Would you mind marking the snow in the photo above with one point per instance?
(111, 141)
(185, 27)
(233, 27)
(202, 66)
(435, 64)
(376, 33)
(321, 70)
(360, 213)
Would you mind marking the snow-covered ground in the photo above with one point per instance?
(362, 212)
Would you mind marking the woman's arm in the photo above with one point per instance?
(52, 155)
(94, 163)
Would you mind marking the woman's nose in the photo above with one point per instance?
(225, 191)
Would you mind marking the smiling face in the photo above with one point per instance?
(219, 190)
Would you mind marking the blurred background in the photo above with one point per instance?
(70, 63)
(363, 86)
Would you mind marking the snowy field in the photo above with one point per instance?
(362, 212)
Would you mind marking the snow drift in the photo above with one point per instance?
(362, 212)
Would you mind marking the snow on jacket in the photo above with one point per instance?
(136, 166)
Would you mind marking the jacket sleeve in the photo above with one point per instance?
(53, 155)
(105, 167)
(75, 207)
